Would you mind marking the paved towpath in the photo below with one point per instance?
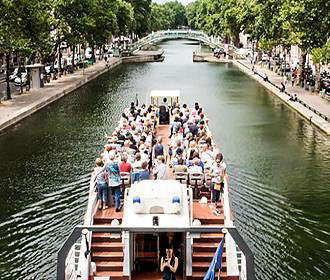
(20, 106)
(311, 105)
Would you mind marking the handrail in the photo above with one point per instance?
(84, 263)
(232, 231)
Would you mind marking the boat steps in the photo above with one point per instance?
(107, 247)
(207, 247)
(109, 266)
(209, 237)
(205, 256)
(105, 237)
(113, 275)
(108, 256)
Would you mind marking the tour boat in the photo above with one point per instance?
(153, 212)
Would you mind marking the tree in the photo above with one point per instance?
(142, 10)
(309, 24)
(25, 27)
(125, 17)
(161, 17)
(179, 11)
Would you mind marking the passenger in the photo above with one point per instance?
(160, 169)
(144, 174)
(180, 167)
(169, 264)
(158, 149)
(102, 185)
(207, 155)
(217, 172)
(193, 128)
(195, 168)
(124, 165)
(114, 181)
(137, 165)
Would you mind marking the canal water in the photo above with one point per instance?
(278, 166)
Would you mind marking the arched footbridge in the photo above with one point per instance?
(196, 35)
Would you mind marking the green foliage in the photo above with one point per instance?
(308, 22)
(142, 9)
(25, 27)
(169, 15)
(125, 17)
(196, 13)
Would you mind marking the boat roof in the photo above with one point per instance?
(165, 93)
(157, 194)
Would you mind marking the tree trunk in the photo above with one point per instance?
(59, 64)
(302, 61)
(317, 77)
(7, 76)
(20, 74)
(93, 53)
(73, 54)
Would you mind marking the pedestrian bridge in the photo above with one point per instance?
(196, 35)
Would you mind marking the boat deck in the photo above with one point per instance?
(108, 252)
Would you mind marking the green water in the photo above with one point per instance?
(278, 166)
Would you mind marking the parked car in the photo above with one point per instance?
(24, 79)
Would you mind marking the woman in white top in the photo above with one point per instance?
(160, 169)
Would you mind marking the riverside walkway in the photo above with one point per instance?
(21, 106)
(311, 105)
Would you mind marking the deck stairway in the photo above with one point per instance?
(206, 244)
(107, 249)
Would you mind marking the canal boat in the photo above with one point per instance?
(155, 212)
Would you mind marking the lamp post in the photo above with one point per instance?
(7, 77)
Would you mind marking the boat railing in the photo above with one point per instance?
(84, 264)
(231, 231)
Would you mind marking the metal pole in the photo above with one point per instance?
(7, 76)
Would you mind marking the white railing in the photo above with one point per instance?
(84, 264)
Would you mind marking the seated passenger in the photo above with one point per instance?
(124, 165)
(180, 167)
(195, 168)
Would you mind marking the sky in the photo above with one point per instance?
(184, 2)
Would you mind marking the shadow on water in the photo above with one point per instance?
(278, 166)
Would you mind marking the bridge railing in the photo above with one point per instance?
(180, 33)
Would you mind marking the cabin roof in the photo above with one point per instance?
(165, 93)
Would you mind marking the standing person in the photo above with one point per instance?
(217, 172)
(158, 149)
(114, 180)
(169, 264)
(160, 168)
(102, 185)
(293, 78)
